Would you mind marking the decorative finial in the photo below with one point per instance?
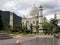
(40, 6)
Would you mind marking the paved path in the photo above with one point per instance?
(13, 41)
(57, 41)
(29, 41)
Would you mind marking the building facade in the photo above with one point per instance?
(36, 18)
(10, 18)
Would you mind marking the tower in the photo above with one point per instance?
(55, 16)
(40, 18)
(11, 20)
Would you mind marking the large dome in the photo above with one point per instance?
(34, 11)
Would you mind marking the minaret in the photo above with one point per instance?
(55, 16)
(11, 20)
(40, 18)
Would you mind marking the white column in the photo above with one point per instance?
(40, 15)
(40, 19)
(11, 20)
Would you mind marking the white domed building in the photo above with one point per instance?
(36, 18)
(34, 11)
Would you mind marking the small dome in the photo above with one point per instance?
(44, 18)
(40, 6)
(34, 11)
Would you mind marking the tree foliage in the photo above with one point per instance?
(50, 28)
(1, 23)
(31, 28)
(54, 24)
(37, 28)
(47, 28)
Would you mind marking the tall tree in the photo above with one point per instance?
(31, 28)
(53, 22)
(37, 27)
(47, 28)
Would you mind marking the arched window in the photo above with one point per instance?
(33, 22)
(27, 21)
(37, 22)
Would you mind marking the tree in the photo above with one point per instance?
(58, 31)
(24, 29)
(1, 23)
(47, 28)
(52, 27)
(53, 22)
(17, 28)
(7, 27)
(31, 28)
(37, 27)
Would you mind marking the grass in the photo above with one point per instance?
(26, 35)
(31, 35)
(34, 35)
(43, 35)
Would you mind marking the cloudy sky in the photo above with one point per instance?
(22, 7)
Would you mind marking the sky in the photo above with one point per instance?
(22, 7)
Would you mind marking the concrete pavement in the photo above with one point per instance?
(31, 41)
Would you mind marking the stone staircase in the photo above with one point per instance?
(5, 36)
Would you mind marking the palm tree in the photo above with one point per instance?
(53, 22)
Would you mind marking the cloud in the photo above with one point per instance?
(24, 12)
(22, 7)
